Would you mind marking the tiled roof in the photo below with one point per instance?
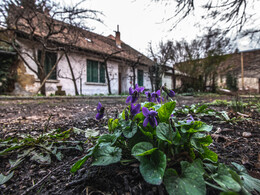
(77, 37)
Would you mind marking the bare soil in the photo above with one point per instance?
(33, 116)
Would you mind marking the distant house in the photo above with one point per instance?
(245, 67)
(87, 54)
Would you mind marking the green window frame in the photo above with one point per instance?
(49, 62)
(140, 77)
(95, 72)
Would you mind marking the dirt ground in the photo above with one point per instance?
(32, 117)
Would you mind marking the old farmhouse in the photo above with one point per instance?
(76, 60)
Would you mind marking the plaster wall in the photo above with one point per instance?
(250, 84)
(167, 81)
(79, 64)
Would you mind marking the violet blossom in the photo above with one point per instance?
(149, 96)
(157, 96)
(170, 93)
(134, 110)
(100, 110)
(191, 119)
(134, 94)
(150, 117)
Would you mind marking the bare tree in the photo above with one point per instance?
(47, 25)
(202, 58)
(238, 15)
(163, 59)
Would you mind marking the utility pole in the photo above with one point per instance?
(242, 71)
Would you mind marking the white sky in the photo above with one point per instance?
(140, 22)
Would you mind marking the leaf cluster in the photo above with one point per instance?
(39, 148)
(175, 153)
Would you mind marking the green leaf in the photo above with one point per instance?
(107, 139)
(208, 154)
(165, 111)
(196, 126)
(153, 167)
(139, 116)
(148, 104)
(79, 163)
(189, 182)
(112, 124)
(4, 178)
(201, 109)
(129, 129)
(3, 152)
(106, 155)
(157, 106)
(225, 180)
(42, 158)
(250, 183)
(198, 140)
(142, 149)
(15, 163)
(228, 193)
(91, 133)
(164, 132)
(146, 133)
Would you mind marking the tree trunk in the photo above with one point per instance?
(133, 68)
(108, 79)
(173, 79)
(72, 74)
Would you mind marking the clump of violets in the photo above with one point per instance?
(134, 94)
(150, 117)
(100, 111)
(156, 96)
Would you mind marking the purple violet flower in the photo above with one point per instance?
(150, 117)
(170, 93)
(191, 119)
(139, 89)
(134, 94)
(157, 96)
(149, 96)
(135, 110)
(100, 111)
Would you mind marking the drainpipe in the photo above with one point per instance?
(242, 71)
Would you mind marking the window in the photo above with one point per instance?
(140, 77)
(95, 72)
(49, 62)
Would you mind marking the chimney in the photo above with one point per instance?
(118, 41)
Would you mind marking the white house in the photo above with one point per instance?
(87, 53)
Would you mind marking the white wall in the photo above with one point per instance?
(168, 81)
(79, 65)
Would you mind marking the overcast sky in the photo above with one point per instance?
(141, 22)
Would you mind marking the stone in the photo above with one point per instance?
(247, 134)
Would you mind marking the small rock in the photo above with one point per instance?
(247, 134)
(53, 177)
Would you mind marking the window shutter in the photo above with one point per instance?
(102, 73)
(89, 70)
(94, 71)
(49, 62)
(140, 77)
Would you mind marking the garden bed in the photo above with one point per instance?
(234, 141)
